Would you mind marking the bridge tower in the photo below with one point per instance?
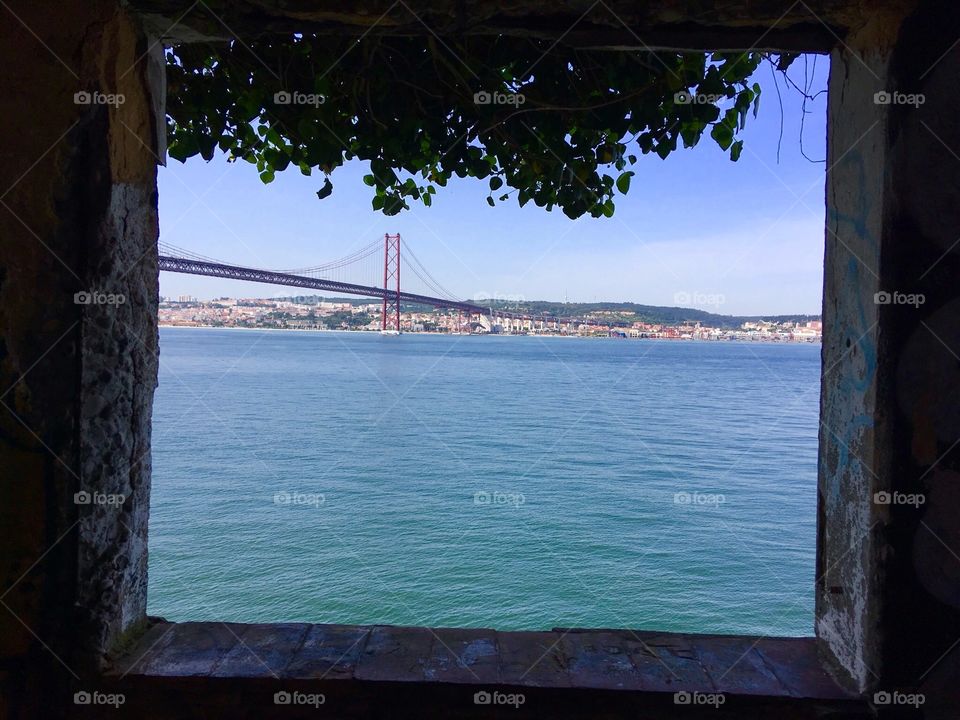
(390, 318)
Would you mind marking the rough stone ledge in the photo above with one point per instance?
(617, 660)
(811, 26)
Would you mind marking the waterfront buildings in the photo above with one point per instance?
(314, 314)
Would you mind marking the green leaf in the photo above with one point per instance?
(267, 177)
(369, 180)
(496, 182)
(208, 146)
(305, 128)
(490, 201)
(735, 150)
(326, 189)
(623, 182)
(280, 162)
(393, 204)
(785, 61)
(179, 151)
(722, 133)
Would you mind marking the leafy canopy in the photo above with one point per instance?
(554, 125)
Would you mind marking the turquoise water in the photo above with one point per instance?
(506, 482)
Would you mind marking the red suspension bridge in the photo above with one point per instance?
(351, 275)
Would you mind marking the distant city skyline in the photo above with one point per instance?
(366, 316)
(696, 230)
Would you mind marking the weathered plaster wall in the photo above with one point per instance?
(888, 589)
(851, 432)
(77, 214)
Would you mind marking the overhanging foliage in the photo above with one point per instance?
(553, 125)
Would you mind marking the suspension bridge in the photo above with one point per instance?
(358, 273)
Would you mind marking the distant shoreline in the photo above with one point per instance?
(766, 341)
(354, 332)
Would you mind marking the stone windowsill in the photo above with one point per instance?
(607, 660)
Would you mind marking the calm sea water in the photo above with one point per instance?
(506, 482)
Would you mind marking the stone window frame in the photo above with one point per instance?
(180, 647)
(855, 459)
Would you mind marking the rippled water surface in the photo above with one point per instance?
(506, 482)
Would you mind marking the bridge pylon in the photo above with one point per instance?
(390, 317)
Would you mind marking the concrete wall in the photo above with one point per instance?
(77, 214)
(888, 588)
(851, 429)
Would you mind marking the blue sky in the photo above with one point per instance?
(696, 229)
